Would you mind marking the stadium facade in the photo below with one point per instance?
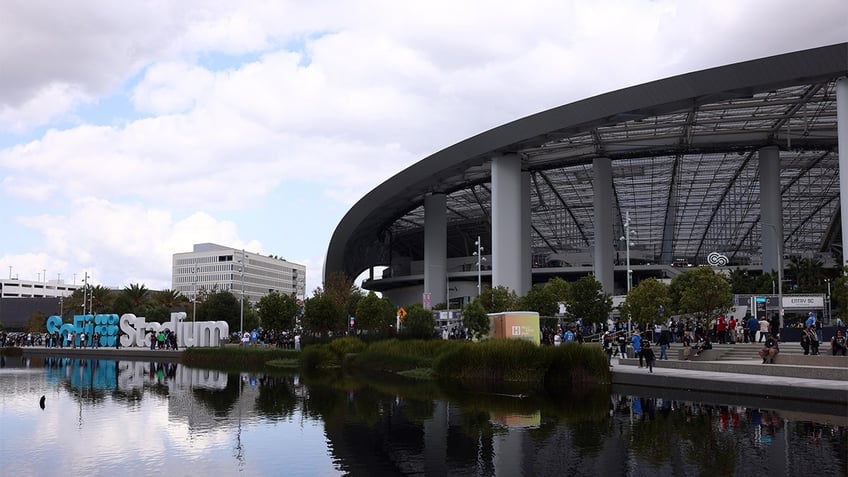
(734, 166)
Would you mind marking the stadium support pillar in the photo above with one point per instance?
(602, 204)
(771, 209)
(435, 247)
(842, 137)
(526, 239)
(507, 221)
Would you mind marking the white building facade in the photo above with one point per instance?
(14, 288)
(211, 267)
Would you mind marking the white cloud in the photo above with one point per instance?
(234, 102)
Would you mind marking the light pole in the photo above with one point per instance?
(626, 238)
(779, 242)
(241, 300)
(84, 292)
(480, 259)
(829, 317)
(194, 294)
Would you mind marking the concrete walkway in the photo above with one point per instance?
(827, 385)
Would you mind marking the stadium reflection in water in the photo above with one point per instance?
(143, 418)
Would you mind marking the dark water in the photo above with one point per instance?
(141, 418)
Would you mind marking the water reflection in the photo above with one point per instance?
(145, 414)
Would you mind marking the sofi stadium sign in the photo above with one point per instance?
(131, 330)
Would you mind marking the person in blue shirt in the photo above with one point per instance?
(811, 320)
(753, 327)
(636, 340)
(568, 337)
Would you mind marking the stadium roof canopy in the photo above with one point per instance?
(683, 153)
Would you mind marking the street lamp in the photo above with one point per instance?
(241, 300)
(626, 237)
(829, 317)
(194, 295)
(779, 243)
(480, 260)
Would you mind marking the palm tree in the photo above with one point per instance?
(807, 273)
(170, 299)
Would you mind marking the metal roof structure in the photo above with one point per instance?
(684, 164)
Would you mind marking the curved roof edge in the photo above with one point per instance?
(349, 251)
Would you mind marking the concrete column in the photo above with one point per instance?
(771, 208)
(602, 204)
(435, 247)
(842, 137)
(506, 222)
(526, 239)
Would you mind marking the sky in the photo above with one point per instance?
(130, 131)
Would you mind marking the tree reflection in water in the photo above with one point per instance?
(385, 425)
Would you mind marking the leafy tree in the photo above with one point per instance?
(278, 311)
(558, 289)
(419, 323)
(222, 306)
(474, 317)
(646, 302)
(341, 289)
(839, 291)
(498, 299)
(323, 314)
(538, 299)
(587, 301)
(706, 293)
(375, 313)
(37, 322)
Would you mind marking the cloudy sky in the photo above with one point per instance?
(130, 131)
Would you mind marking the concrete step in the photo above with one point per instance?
(814, 369)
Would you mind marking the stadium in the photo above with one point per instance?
(734, 166)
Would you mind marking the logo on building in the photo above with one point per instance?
(716, 259)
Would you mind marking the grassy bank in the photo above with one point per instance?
(491, 362)
(495, 361)
(235, 358)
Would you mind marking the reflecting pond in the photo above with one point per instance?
(145, 418)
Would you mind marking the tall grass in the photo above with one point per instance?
(231, 358)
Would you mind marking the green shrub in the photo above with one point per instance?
(346, 345)
(318, 356)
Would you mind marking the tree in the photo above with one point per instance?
(340, 288)
(743, 283)
(419, 323)
(277, 311)
(170, 299)
(646, 302)
(706, 293)
(322, 314)
(808, 274)
(101, 299)
(474, 317)
(222, 306)
(374, 313)
(538, 299)
(587, 301)
(36, 323)
(498, 299)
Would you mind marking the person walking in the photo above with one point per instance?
(751, 333)
(636, 342)
(648, 354)
(664, 341)
(764, 329)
